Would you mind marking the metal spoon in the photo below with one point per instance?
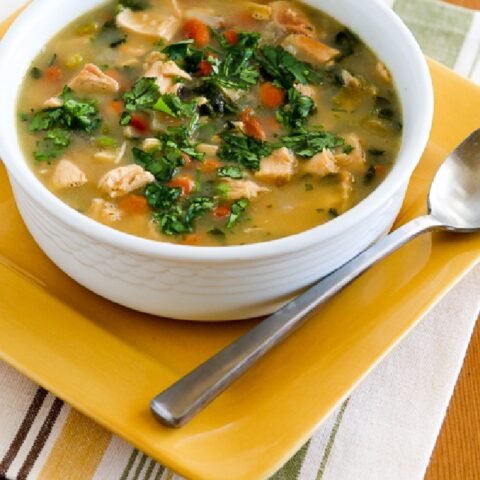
(453, 204)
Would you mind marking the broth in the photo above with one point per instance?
(205, 123)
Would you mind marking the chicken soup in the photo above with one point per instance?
(209, 123)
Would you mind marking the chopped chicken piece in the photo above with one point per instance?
(130, 132)
(309, 49)
(166, 74)
(243, 189)
(346, 185)
(207, 149)
(104, 211)
(105, 156)
(176, 9)
(152, 58)
(205, 15)
(150, 144)
(201, 101)
(306, 90)
(384, 73)
(356, 158)
(322, 164)
(239, 127)
(232, 94)
(290, 18)
(53, 102)
(349, 80)
(277, 168)
(130, 54)
(259, 11)
(92, 80)
(123, 180)
(149, 24)
(68, 175)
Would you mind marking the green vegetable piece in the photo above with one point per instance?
(307, 143)
(243, 150)
(161, 197)
(36, 73)
(294, 114)
(179, 219)
(162, 164)
(185, 55)
(106, 142)
(232, 171)
(143, 96)
(238, 210)
(282, 67)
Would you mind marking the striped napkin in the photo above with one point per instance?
(385, 431)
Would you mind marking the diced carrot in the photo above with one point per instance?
(205, 68)
(271, 96)
(197, 30)
(191, 239)
(139, 123)
(53, 74)
(134, 205)
(231, 37)
(252, 125)
(117, 106)
(222, 211)
(380, 170)
(209, 165)
(184, 182)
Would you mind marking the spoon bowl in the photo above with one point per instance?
(454, 197)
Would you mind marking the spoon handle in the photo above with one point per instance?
(183, 400)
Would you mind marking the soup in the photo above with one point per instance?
(205, 123)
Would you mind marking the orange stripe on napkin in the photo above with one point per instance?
(78, 450)
(6, 24)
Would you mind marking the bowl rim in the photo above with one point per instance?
(398, 177)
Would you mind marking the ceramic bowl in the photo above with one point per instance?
(217, 283)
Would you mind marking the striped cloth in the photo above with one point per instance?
(385, 431)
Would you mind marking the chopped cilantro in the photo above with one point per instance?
(307, 143)
(243, 150)
(180, 219)
(232, 171)
(294, 114)
(282, 67)
(238, 68)
(143, 95)
(163, 161)
(238, 210)
(57, 123)
(161, 197)
(172, 105)
(52, 146)
(185, 55)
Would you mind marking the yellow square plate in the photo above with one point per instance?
(108, 362)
